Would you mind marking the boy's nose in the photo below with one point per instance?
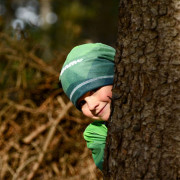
(92, 103)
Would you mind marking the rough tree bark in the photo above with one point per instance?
(144, 131)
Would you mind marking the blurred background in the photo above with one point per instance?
(40, 131)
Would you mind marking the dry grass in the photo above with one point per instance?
(40, 131)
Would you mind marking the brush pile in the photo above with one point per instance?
(40, 130)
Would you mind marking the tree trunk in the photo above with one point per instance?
(144, 131)
(45, 9)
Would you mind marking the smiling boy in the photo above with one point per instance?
(87, 78)
(96, 103)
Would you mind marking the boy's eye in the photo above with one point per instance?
(82, 102)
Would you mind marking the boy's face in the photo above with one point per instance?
(96, 103)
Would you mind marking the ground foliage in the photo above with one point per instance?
(40, 131)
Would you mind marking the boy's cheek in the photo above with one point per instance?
(85, 112)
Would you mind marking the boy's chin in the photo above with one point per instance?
(105, 118)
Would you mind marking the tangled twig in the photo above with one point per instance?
(48, 139)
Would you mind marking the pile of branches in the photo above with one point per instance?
(40, 130)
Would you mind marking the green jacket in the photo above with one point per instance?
(95, 136)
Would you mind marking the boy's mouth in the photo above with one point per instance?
(100, 112)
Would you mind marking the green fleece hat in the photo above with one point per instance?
(87, 67)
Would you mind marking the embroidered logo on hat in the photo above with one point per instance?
(70, 64)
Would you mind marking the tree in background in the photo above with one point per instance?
(144, 131)
(62, 24)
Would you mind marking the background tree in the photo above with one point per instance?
(144, 131)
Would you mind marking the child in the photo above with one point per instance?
(87, 78)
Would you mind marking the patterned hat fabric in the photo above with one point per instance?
(87, 67)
